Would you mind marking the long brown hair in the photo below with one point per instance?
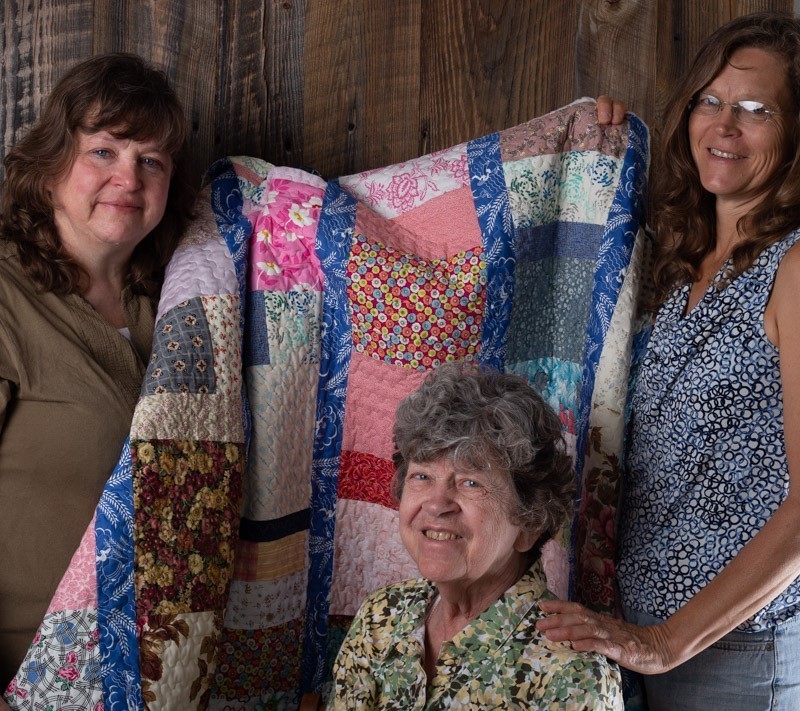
(683, 211)
(117, 92)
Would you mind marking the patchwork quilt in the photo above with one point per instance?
(251, 513)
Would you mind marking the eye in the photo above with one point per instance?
(101, 152)
(471, 484)
(150, 162)
(754, 107)
(707, 101)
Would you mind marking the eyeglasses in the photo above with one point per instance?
(743, 111)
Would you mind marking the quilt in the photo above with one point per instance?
(251, 510)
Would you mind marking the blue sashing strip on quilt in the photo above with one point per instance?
(116, 604)
(487, 180)
(622, 225)
(119, 649)
(334, 239)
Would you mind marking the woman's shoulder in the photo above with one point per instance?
(398, 607)
(8, 252)
(777, 252)
(16, 287)
(784, 300)
(784, 259)
(402, 592)
(14, 282)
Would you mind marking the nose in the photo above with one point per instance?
(127, 174)
(726, 121)
(441, 499)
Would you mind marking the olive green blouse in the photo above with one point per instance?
(68, 385)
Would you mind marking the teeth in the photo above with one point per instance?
(441, 535)
(722, 154)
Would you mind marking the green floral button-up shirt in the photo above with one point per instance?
(499, 661)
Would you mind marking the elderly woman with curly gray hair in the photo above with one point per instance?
(483, 480)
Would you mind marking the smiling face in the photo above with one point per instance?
(736, 161)
(114, 194)
(456, 524)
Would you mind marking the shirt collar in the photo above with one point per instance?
(499, 621)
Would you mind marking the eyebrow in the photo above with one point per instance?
(105, 134)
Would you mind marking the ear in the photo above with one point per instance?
(526, 540)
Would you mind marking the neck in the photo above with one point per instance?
(463, 604)
(106, 298)
(726, 235)
(728, 213)
(104, 273)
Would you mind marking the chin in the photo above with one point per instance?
(437, 573)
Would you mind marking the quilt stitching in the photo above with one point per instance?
(334, 238)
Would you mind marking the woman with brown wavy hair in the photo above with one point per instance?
(94, 200)
(709, 559)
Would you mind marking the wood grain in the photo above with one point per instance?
(350, 85)
(181, 39)
(284, 36)
(491, 65)
(361, 83)
(616, 52)
(39, 41)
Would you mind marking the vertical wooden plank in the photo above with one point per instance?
(284, 36)
(490, 64)
(616, 52)
(360, 78)
(333, 83)
(240, 100)
(745, 7)
(40, 41)
(194, 71)
(390, 127)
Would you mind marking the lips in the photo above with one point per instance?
(440, 535)
(122, 205)
(722, 154)
(123, 202)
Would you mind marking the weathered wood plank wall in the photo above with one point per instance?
(353, 84)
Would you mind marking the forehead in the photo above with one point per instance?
(117, 136)
(753, 73)
(137, 123)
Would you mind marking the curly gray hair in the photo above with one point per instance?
(479, 417)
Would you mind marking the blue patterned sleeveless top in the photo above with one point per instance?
(706, 465)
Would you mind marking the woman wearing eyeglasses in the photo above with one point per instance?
(709, 553)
